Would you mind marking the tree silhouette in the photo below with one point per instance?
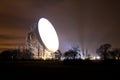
(69, 54)
(16, 54)
(58, 55)
(6, 55)
(115, 53)
(72, 53)
(103, 51)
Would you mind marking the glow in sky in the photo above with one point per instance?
(86, 23)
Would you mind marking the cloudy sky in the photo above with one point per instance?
(83, 23)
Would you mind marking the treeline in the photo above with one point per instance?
(15, 54)
(104, 51)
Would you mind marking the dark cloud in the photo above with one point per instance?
(8, 37)
(43, 3)
(7, 19)
(12, 44)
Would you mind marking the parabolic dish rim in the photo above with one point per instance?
(48, 35)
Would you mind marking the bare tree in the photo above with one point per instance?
(72, 53)
(103, 51)
(115, 54)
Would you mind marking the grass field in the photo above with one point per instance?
(61, 69)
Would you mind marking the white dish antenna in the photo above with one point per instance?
(48, 35)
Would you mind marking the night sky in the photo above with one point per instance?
(83, 23)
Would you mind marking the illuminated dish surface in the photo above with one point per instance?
(48, 35)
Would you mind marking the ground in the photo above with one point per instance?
(51, 69)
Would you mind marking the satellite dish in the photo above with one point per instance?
(48, 35)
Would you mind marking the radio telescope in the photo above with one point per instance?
(42, 40)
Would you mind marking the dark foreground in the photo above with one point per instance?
(60, 70)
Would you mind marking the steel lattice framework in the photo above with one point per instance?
(35, 45)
